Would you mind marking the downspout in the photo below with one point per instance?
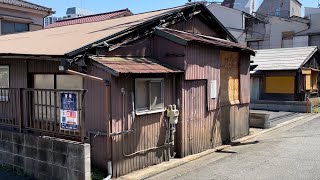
(98, 133)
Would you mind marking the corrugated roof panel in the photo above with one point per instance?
(135, 65)
(206, 39)
(282, 58)
(90, 18)
(63, 40)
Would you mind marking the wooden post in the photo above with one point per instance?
(82, 122)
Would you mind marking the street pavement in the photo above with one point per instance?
(290, 152)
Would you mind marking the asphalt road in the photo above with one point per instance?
(291, 152)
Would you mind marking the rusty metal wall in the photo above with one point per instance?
(97, 116)
(18, 72)
(139, 48)
(149, 130)
(195, 25)
(204, 123)
(198, 129)
(169, 52)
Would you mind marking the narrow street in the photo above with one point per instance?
(290, 152)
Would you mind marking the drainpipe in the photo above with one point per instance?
(109, 171)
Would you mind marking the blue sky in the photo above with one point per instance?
(136, 6)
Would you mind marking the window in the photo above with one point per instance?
(292, 12)
(8, 27)
(44, 101)
(149, 95)
(277, 12)
(4, 82)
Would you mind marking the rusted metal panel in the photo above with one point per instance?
(134, 65)
(199, 129)
(195, 25)
(245, 78)
(96, 116)
(169, 52)
(18, 72)
(203, 63)
(139, 48)
(149, 130)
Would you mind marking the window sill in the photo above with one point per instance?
(139, 113)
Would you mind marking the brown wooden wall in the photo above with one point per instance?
(149, 130)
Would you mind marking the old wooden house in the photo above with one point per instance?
(287, 76)
(126, 71)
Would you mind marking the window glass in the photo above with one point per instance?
(21, 27)
(69, 82)
(142, 97)
(13, 27)
(149, 95)
(7, 27)
(4, 76)
(156, 95)
(44, 81)
(4, 82)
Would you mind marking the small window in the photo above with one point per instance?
(4, 82)
(149, 96)
(277, 12)
(8, 27)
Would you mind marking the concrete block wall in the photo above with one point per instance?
(45, 157)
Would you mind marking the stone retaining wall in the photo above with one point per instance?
(45, 157)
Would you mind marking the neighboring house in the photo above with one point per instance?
(75, 12)
(275, 32)
(285, 78)
(128, 70)
(280, 8)
(20, 16)
(91, 18)
(311, 36)
(233, 19)
(50, 20)
(247, 6)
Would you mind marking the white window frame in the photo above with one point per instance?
(148, 110)
(5, 97)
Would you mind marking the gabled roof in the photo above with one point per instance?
(74, 39)
(91, 18)
(183, 38)
(26, 4)
(282, 58)
(133, 65)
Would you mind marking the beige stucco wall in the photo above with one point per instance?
(295, 8)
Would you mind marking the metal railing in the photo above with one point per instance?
(38, 110)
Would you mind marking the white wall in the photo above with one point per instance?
(230, 18)
(310, 10)
(300, 41)
(275, 28)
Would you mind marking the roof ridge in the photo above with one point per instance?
(92, 15)
(33, 5)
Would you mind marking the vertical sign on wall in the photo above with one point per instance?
(69, 111)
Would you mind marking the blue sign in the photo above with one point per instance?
(69, 111)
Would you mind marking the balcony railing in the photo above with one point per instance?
(39, 111)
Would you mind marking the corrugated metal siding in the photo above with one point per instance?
(244, 78)
(198, 129)
(18, 72)
(96, 116)
(169, 52)
(149, 130)
(195, 25)
(140, 48)
(203, 63)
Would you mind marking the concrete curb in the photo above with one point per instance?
(165, 166)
